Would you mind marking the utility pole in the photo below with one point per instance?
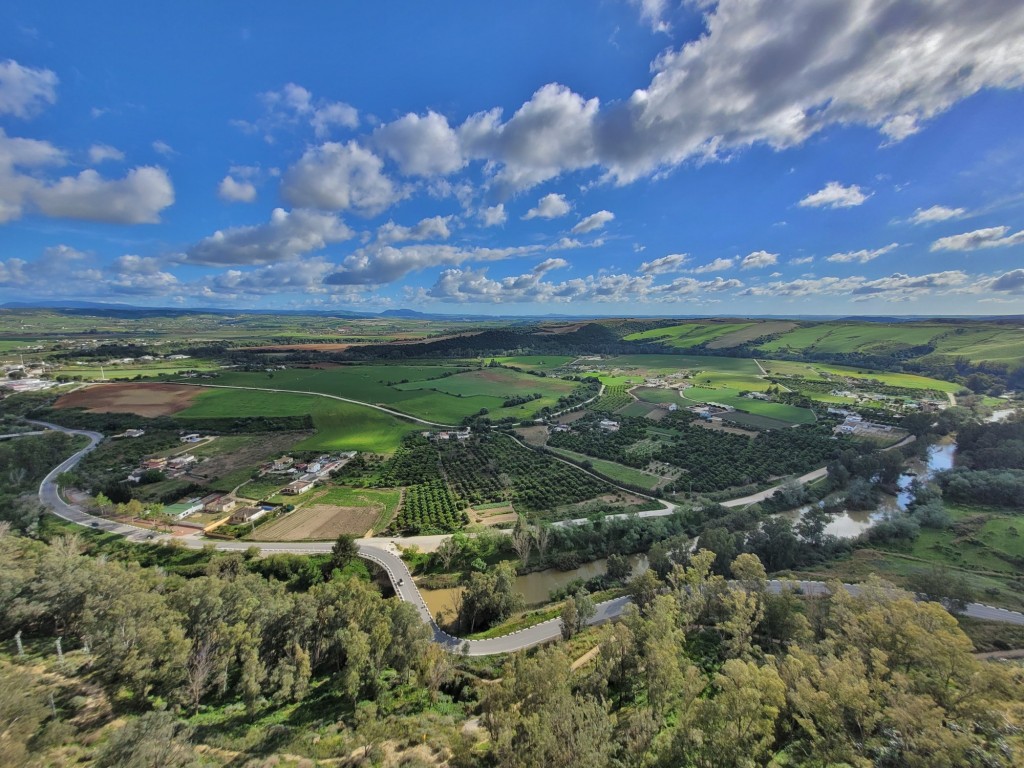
(17, 640)
(60, 652)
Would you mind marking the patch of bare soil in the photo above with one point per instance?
(318, 522)
(495, 516)
(134, 397)
(534, 435)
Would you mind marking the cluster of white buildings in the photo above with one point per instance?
(462, 434)
(306, 474)
(172, 466)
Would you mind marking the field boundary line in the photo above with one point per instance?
(383, 409)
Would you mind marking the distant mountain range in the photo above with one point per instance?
(83, 307)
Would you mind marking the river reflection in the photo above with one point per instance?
(850, 525)
(536, 587)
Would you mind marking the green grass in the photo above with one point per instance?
(688, 334)
(120, 372)
(752, 332)
(777, 411)
(867, 338)
(535, 362)
(757, 422)
(657, 395)
(907, 380)
(339, 425)
(818, 371)
(738, 381)
(418, 390)
(1002, 344)
(612, 470)
(490, 387)
(263, 487)
(660, 364)
(981, 546)
(636, 409)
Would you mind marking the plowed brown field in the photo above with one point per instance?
(140, 399)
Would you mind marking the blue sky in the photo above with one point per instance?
(582, 157)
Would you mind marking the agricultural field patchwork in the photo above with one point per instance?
(731, 397)
(865, 338)
(688, 334)
(444, 478)
(339, 425)
(444, 393)
(613, 398)
(326, 514)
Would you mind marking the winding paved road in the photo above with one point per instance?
(383, 553)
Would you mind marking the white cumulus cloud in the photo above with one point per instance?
(759, 260)
(592, 222)
(340, 177)
(287, 236)
(989, 237)
(674, 262)
(936, 213)
(380, 263)
(421, 146)
(434, 228)
(99, 153)
(25, 91)
(137, 198)
(862, 256)
(550, 206)
(494, 216)
(718, 265)
(233, 191)
(835, 195)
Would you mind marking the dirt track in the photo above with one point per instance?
(140, 399)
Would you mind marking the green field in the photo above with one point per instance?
(817, 371)
(490, 387)
(662, 364)
(688, 334)
(1005, 345)
(778, 411)
(975, 342)
(339, 425)
(867, 338)
(636, 409)
(612, 399)
(750, 333)
(906, 380)
(613, 470)
(535, 362)
(658, 395)
(147, 370)
(424, 390)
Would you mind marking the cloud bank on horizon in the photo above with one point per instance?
(640, 157)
